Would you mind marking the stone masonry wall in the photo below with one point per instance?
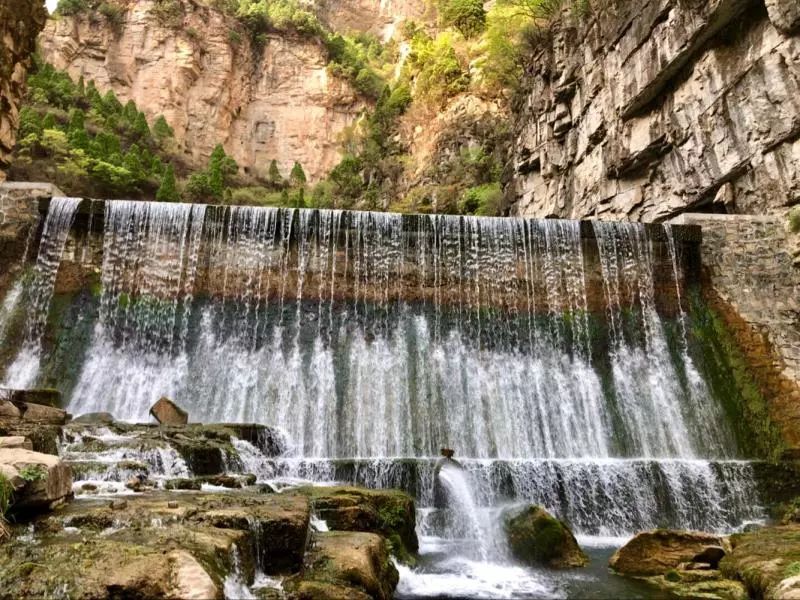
(20, 23)
(648, 109)
(751, 280)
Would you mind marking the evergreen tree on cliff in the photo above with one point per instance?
(167, 191)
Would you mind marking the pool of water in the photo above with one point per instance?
(444, 573)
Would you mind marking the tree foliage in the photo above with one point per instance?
(468, 16)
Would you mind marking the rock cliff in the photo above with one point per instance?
(20, 23)
(202, 72)
(669, 106)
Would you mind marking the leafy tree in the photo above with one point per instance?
(168, 191)
(468, 16)
(55, 143)
(297, 177)
(347, 177)
(72, 7)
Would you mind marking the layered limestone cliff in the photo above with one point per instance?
(20, 23)
(202, 73)
(378, 17)
(669, 106)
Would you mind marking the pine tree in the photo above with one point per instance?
(300, 198)
(81, 87)
(168, 191)
(297, 175)
(77, 120)
(161, 128)
(111, 105)
(49, 121)
(274, 175)
(140, 127)
(221, 168)
(130, 112)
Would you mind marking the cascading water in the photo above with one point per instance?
(545, 352)
(39, 290)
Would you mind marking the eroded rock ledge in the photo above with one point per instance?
(646, 110)
(20, 23)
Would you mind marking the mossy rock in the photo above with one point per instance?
(766, 560)
(390, 513)
(346, 565)
(537, 538)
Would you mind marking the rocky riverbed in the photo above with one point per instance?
(102, 509)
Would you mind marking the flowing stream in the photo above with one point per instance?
(557, 363)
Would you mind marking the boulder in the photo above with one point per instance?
(347, 565)
(40, 481)
(390, 513)
(16, 441)
(277, 523)
(96, 418)
(190, 581)
(767, 561)
(535, 537)
(166, 412)
(660, 550)
(39, 397)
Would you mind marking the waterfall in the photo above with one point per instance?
(138, 348)
(552, 355)
(39, 290)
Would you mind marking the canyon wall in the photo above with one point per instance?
(645, 110)
(378, 17)
(20, 23)
(202, 73)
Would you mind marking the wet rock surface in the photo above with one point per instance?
(347, 565)
(191, 545)
(389, 513)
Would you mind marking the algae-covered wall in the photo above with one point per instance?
(750, 288)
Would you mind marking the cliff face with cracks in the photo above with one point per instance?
(668, 106)
(202, 73)
(20, 23)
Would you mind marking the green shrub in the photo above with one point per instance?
(168, 12)
(113, 13)
(73, 7)
(33, 473)
(484, 200)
